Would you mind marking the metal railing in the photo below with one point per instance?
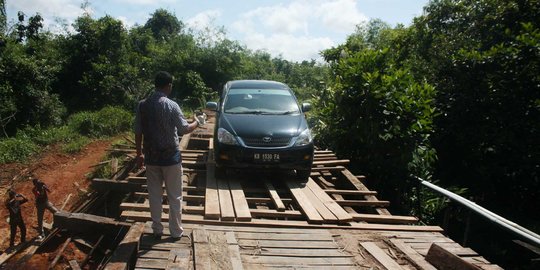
(526, 234)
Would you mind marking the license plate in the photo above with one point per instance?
(266, 157)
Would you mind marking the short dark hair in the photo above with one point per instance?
(162, 79)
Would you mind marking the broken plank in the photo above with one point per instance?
(304, 203)
(274, 195)
(381, 256)
(240, 203)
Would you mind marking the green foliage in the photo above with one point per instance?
(75, 145)
(484, 58)
(106, 122)
(376, 114)
(16, 149)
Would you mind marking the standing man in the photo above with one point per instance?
(41, 191)
(158, 121)
(13, 204)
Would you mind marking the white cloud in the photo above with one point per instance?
(341, 15)
(203, 20)
(290, 47)
(144, 2)
(66, 9)
(300, 29)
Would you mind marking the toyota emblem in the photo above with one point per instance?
(267, 139)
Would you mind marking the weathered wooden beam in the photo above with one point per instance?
(389, 219)
(446, 260)
(116, 185)
(124, 256)
(80, 222)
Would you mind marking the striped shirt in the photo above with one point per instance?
(164, 122)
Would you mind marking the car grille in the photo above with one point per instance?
(259, 142)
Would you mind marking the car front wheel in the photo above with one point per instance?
(303, 174)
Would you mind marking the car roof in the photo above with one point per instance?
(260, 84)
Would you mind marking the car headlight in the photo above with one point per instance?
(304, 138)
(226, 137)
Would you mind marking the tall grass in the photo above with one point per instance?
(78, 131)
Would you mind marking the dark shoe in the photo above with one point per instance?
(157, 236)
(177, 238)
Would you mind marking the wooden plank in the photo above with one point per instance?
(304, 203)
(201, 249)
(211, 204)
(413, 256)
(116, 185)
(381, 256)
(195, 219)
(319, 169)
(384, 218)
(74, 265)
(328, 202)
(329, 262)
(274, 195)
(245, 243)
(234, 251)
(363, 203)
(80, 222)
(184, 142)
(350, 192)
(270, 213)
(445, 260)
(325, 213)
(240, 203)
(297, 252)
(124, 254)
(284, 236)
(225, 201)
(331, 162)
(219, 250)
(59, 253)
(178, 259)
(360, 186)
(143, 263)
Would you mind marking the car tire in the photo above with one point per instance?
(303, 174)
(220, 172)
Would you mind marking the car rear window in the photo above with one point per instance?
(260, 101)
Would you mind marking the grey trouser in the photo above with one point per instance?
(172, 176)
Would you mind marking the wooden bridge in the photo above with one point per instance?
(258, 220)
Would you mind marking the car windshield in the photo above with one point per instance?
(260, 101)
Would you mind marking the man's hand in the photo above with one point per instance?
(201, 119)
(140, 161)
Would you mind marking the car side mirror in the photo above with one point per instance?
(306, 107)
(211, 106)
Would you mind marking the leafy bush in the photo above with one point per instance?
(16, 149)
(75, 145)
(106, 122)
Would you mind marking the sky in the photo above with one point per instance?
(295, 30)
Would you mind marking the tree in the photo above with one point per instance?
(163, 25)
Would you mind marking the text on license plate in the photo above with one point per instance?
(266, 157)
